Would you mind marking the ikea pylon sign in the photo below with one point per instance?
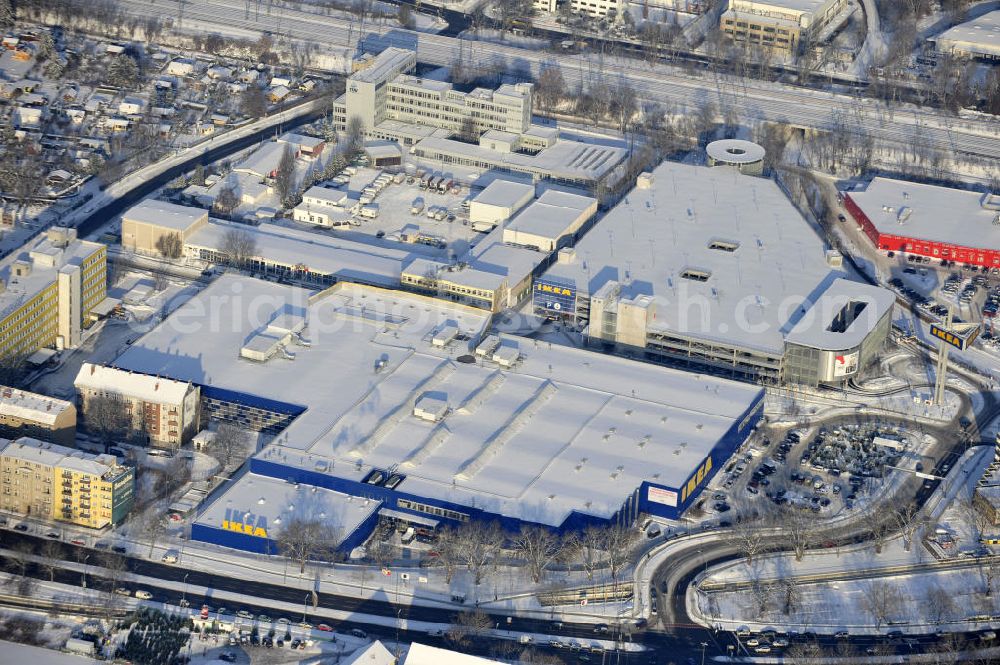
(245, 523)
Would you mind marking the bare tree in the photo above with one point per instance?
(253, 102)
(52, 554)
(990, 569)
(538, 547)
(762, 593)
(170, 245)
(113, 568)
(405, 17)
(940, 603)
(790, 596)
(480, 545)
(229, 442)
(906, 521)
(747, 535)
(617, 545)
(449, 549)
(878, 528)
(152, 526)
(18, 560)
(881, 600)
(587, 546)
(304, 539)
(800, 532)
(106, 417)
(226, 200)
(239, 246)
(467, 627)
(550, 88)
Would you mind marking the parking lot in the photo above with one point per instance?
(406, 210)
(820, 470)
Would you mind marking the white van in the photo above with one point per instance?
(142, 594)
(369, 211)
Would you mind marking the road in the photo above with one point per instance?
(667, 85)
(141, 183)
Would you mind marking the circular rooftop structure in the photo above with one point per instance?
(747, 156)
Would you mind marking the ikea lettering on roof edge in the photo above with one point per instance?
(527, 433)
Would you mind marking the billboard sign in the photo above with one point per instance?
(958, 340)
(845, 364)
(660, 495)
(555, 298)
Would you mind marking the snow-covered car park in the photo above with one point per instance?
(835, 466)
(406, 206)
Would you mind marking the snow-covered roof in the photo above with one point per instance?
(505, 193)
(553, 213)
(31, 406)
(735, 151)
(843, 316)
(371, 654)
(767, 7)
(105, 379)
(760, 256)
(301, 140)
(931, 212)
(46, 260)
(247, 306)
(421, 654)
(981, 35)
(384, 64)
(331, 196)
(32, 450)
(345, 259)
(276, 501)
(164, 214)
(565, 160)
(564, 430)
(264, 160)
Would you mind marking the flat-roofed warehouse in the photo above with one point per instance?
(145, 223)
(503, 428)
(929, 220)
(978, 38)
(706, 268)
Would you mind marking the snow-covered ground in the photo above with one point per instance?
(823, 601)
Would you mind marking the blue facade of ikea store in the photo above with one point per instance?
(651, 498)
(258, 545)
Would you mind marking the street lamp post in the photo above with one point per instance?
(83, 575)
(703, 645)
(305, 602)
(184, 590)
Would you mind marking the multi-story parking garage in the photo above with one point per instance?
(715, 270)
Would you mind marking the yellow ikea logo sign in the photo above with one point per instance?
(245, 523)
(696, 479)
(556, 290)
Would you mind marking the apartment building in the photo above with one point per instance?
(48, 291)
(52, 482)
(23, 413)
(598, 8)
(384, 91)
(166, 411)
(780, 24)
